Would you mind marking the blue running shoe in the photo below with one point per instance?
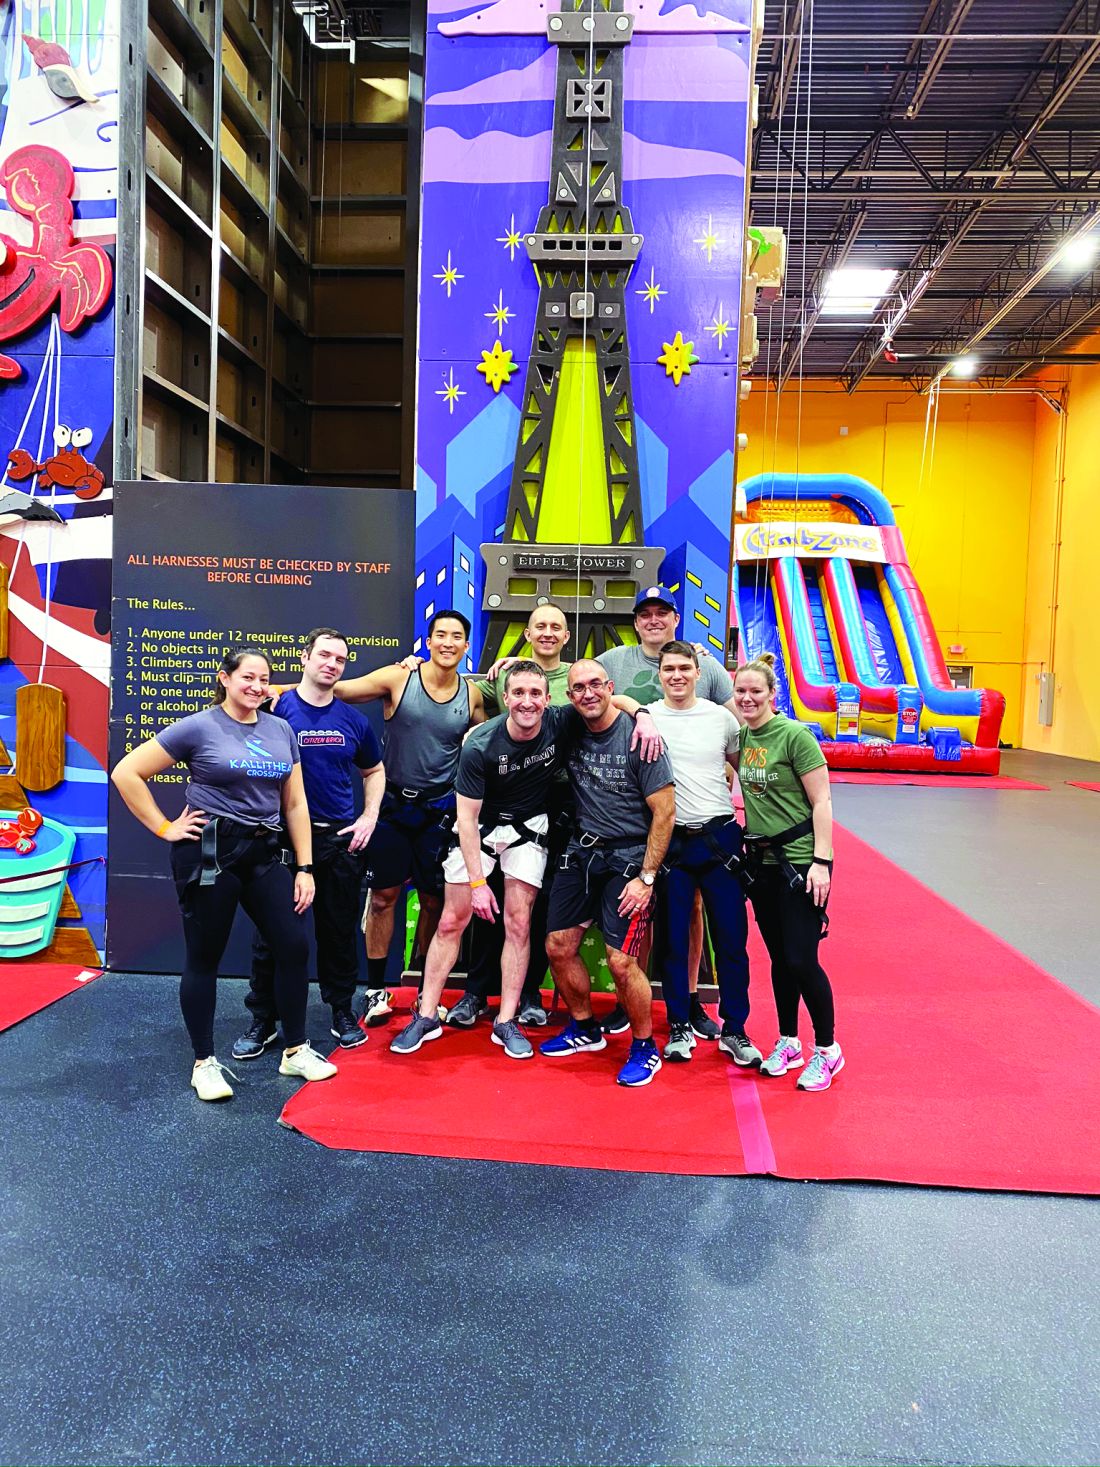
(572, 1040)
(642, 1063)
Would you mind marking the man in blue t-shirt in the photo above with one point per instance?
(339, 753)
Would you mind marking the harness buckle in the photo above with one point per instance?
(410, 794)
(587, 841)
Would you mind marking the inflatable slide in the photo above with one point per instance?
(821, 579)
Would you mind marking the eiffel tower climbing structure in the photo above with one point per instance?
(583, 249)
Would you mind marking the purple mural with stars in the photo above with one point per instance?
(489, 101)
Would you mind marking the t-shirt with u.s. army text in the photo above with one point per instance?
(611, 782)
(236, 769)
(513, 776)
(773, 759)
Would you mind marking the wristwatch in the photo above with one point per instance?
(647, 878)
(304, 870)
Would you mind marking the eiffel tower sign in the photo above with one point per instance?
(583, 250)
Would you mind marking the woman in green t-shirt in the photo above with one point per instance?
(785, 783)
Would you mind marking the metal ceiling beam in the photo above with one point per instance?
(940, 52)
(790, 50)
(834, 255)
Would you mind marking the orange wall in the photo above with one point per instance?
(1062, 584)
(964, 515)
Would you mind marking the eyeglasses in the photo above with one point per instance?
(593, 687)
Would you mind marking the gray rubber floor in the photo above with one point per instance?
(189, 1284)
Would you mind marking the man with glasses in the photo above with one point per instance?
(625, 813)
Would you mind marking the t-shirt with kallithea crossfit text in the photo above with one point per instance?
(236, 769)
(773, 759)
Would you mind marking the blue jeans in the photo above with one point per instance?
(694, 865)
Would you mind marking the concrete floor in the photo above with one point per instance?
(189, 1284)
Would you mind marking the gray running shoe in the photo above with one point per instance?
(740, 1048)
(417, 1032)
(467, 1011)
(681, 1041)
(533, 1013)
(512, 1040)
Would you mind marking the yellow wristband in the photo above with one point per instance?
(479, 882)
(163, 827)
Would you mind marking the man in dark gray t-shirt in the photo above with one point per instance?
(625, 814)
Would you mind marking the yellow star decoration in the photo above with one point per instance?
(500, 313)
(677, 358)
(496, 366)
(719, 327)
(449, 275)
(450, 391)
(511, 239)
(709, 241)
(651, 291)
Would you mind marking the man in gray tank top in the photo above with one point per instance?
(427, 713)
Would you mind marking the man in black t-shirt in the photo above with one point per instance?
(502, 793)
(626, 808)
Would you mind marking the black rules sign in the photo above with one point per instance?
(200, 568)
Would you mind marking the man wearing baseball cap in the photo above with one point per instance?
(636, 672)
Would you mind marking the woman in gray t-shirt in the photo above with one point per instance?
(244, 777)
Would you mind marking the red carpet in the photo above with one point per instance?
(931, 1011)
(27, 987)
(940, 781)
(1079, 784)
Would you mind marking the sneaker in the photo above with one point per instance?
(740, 1048)
(642, 1063)
(208, 1080)
(616, 1021)
(681, 1041)
(345, 1029)
(572, 1040)
(532, 1013)
(376, 1006)
(512, 1040)
(824, 1064)
(415, 1033)
(467, 1011)
(787, 1055)
(306, 1064)
(702, 1024)
(255, 1040)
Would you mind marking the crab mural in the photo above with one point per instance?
(18, 834)
(65, 469)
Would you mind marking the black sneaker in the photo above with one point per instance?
(467, 1011)
(345, 1029)
(616, 1021)
(255, 1040)
(701, 1022)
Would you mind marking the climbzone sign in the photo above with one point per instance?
(818, 538)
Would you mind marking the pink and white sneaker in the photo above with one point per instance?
(824, 1064)
(787, 1055)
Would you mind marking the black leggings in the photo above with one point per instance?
(265, 889)
(790, 925)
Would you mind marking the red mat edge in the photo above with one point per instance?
(917, 780)
(1084, 784)
(59, 972)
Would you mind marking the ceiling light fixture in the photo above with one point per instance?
(964, 366)
(855, 290)
(1080, 251)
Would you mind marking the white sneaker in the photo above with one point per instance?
(306, 1064)
(208, 1080)
(376, 1006)
(787, 1055)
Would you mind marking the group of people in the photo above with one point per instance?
(538, 801)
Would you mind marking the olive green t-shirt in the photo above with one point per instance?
(558, 679)
(773, 759)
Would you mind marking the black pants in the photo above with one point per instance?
(790, 925)
(337, 907)
(256, 880)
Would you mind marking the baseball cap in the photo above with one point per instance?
(660, 594)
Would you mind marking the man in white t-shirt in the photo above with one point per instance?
(701, 740)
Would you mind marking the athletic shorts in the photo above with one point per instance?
(588, 886)
(521, 859)
(408, 845)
